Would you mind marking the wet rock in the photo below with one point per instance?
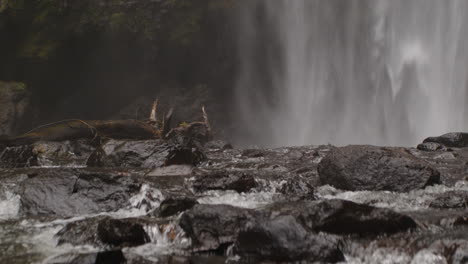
(223, 180)
(106, 257)
(453, 199)
(185, 154)
(298, 188)
(82, 232)
(253, 153)
(283, 239)
(144, 154)
(119, 232)
(104, 231)
(213, 227)
(174, 205)
(453, 140)
(67, 192)
(358, 168)
(66, 153)
(173, 170)
(196, 131)
(461, 221)
(218, 145)
(432, 146)
(345, 217)
(120, 153)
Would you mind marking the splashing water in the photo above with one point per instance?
(384, 72)
(9, 205)
(412, 201)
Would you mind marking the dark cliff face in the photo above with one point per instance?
(14, 103)
(90, 59)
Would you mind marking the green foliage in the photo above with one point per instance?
(19, 86)
(3, 5)
(184, 124)
(12, 86)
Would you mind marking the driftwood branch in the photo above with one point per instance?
(205, 119)
(154, 112)
(72, 129)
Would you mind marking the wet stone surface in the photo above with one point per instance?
(179, 201)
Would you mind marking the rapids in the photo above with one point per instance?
(36, 239)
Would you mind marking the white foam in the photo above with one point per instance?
(141, 203)
(147, 199)
(41, 236)
(381, 256)
(414, 200)
(10, 205)
(171, 239)
(427, 257)
(244, 200)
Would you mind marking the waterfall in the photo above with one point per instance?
(383, 72)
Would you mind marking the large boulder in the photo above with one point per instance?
(283, 239)
(358, 168)
(145, 154)
(67, 192)
(121, 232)
(14, 101)
(214, 227)
(453, 140)
(104, 231)
(66, 153)
(345, 217)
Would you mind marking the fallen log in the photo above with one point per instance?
(73, 129)
(86, 129)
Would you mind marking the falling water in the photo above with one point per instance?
(385, 72)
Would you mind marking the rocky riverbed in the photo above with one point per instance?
(180, 201)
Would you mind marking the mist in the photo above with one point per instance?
(349, 72)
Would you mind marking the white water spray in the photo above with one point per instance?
(384, 72)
